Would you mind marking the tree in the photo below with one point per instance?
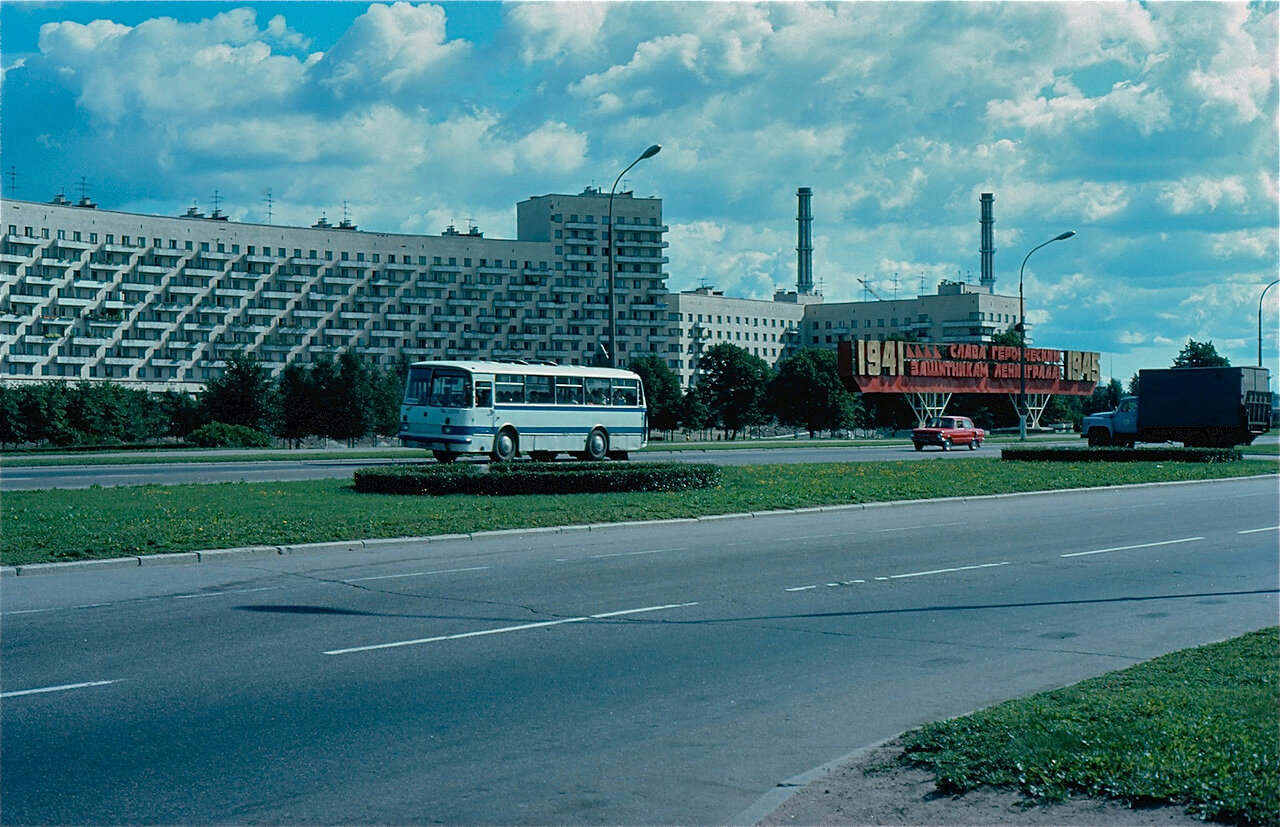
(733, 383)
(1200, 355)
(1008, 338)
(807, 391)
(1133, 385)
(661, 392)
(1105, 397)
(12, 427)
(241, 395)
(296, 398)
(695, 414)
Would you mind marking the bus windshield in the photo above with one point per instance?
(449, 389)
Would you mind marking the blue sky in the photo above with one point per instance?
(1149, 129)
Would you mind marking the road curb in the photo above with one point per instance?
(212, 555)
(776, 797)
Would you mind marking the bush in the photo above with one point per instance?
(222, 435)
(536, 478)
(1114, 454)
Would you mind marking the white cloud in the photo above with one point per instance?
(551, 31)
(388, 48)
(1199, 194)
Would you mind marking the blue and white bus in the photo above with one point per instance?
(505, 409)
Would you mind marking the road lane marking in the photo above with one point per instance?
(220, 594)
(413, 574)
(619, 554)
(503, 629)
(948, 571)
(1256, 530)
(1130, 548)
(62, 688)
(916, 527)
(802, 588)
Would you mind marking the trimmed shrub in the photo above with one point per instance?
(504, 479)
(1114, 454)
(222, 435)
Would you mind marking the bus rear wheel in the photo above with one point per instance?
(597, 445)
(505, 446)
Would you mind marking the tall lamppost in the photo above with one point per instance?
(1022, 340)
(1260, 298)
(613, 279)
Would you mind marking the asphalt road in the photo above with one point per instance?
(84, 476)
(656, 674)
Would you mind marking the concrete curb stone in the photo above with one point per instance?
(242, 551)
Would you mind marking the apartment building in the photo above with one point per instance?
(161, 301)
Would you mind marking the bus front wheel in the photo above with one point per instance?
(505, 446)
(597, 445)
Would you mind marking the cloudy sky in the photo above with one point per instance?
(1150, 130)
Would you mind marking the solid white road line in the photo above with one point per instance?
(1130, 548)
(62, 688)
(1256, 530)
(413, 574)
(522, 627)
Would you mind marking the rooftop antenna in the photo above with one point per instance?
(84, 193)
(269, 205)
(13, 181)
(895, 286)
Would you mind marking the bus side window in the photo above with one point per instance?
(597, 391)
(539, 390)
(510, 389)
(625, 393)
(484, 395)
(568, 391)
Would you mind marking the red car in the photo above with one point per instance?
(945, 431)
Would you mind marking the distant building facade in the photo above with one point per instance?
(773, 330)
(162, 301)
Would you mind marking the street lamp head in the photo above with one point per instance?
(651, 151)
(1065, 235)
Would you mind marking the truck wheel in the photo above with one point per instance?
(1098, 437)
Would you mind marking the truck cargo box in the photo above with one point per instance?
(1202, 398)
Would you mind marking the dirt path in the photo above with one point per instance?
(875, 789)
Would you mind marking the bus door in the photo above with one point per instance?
(484, 416)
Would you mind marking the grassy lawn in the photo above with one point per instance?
(45, 526)
(1198, 727)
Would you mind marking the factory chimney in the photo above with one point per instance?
(804, 242)
(988, 249)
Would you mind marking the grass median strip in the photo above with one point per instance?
(1199, 727)
(95, 523)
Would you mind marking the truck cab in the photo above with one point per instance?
(1118, 427)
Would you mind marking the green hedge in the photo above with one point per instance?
(1115, 454)
(536, 478)
(222, 435)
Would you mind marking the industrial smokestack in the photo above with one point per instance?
(804, 242)
(988, 249)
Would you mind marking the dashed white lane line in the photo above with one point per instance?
(1256, 530)
(900, 576)
(1130, 548)
(502, 629)
(62, 688)
(229, 591)
(619, 554)
(413, 574)
(948, 571)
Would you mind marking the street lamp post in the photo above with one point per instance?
(1260, 298)
(613, 279)
(1022, 340)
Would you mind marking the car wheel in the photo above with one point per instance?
(974, 444)
(946, 445)
(919, 447)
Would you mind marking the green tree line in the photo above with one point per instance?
(346, 398)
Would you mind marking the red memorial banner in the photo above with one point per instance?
(909, 367)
